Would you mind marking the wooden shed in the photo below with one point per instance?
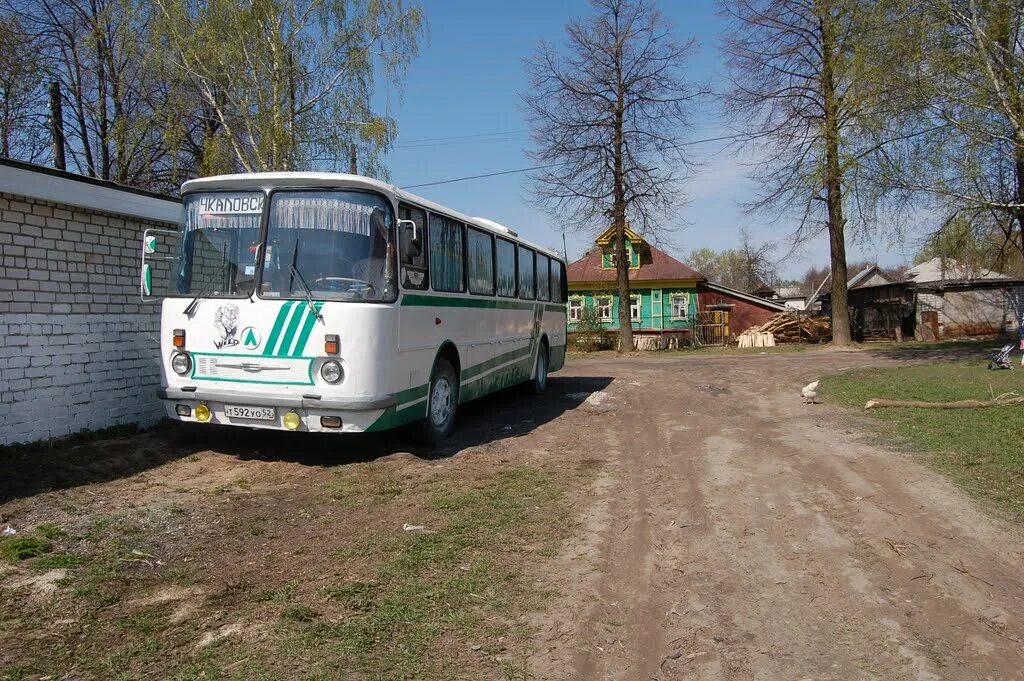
(735, 311)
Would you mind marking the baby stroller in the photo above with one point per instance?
(1000, 359)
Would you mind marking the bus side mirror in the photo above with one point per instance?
(155, 259)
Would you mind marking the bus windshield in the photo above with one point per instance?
(220, 239)
(336, 244)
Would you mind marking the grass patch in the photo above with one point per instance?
(352, 590)
(50, 531)
(58, 560)
(456, 583)
(23, 548)
(299, 613)
(980, 449)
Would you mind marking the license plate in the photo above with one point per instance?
(259, 413)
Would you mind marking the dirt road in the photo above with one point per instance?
(736, 533)
(718, 528)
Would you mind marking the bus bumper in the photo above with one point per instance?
(315, 413)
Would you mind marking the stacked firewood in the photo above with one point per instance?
(789, 327)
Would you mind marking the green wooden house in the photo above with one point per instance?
(663, 290)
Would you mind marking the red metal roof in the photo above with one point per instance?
(659, 266)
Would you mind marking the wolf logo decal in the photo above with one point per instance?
(226, 322)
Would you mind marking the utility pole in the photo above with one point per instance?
(57, 126)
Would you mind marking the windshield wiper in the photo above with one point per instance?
(296, 274)
(206, 291)
(309, 294)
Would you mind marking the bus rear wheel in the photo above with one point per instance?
(442, 403)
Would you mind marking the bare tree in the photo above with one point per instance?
(608, 116)
(746, 268)
(808, 86)
(100, 53)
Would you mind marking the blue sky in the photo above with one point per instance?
(466, 82)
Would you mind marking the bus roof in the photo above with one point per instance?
(307, 179)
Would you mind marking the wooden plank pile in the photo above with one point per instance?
(789, 327)
(754, 338)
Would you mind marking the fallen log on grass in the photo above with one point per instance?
(1001, 400)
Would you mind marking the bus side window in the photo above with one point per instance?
(447, 254)
(414, 272)
(557, 289)
(543, 277)
(505, 258)
(526, 290)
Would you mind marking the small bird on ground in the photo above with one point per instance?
(809, 392)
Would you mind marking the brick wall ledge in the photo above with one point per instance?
(46, 184)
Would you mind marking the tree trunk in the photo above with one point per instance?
(834, 183)
(101, 97)
(57, 126)
(1007, 74)
(619, 220)
(622, 278)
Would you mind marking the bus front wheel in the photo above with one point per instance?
(442, 403)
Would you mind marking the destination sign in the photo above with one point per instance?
(231, 204)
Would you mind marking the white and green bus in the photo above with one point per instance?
(331, 302)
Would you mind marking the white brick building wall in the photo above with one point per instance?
(78, 348)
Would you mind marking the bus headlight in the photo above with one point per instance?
(181, 363)
(332, 372)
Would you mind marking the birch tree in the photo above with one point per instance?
(287, 84)
(965, 161)
(609, 112)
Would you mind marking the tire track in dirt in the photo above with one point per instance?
(746, 536)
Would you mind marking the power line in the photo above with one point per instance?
(477, 177)
(460, 137)
(459, 142)
(550, 165)
(486, 138)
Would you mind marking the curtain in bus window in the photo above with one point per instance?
(336, 243)
(481, 262)
(506, 252)
(526, 274)
(543, 278)
(328, 211)
(446, 254)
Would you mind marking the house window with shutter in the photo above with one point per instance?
(680, 306)
(575, 309)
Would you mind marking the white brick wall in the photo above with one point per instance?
(78, 348)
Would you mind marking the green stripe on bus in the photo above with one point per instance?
(420, 300)
(282, 314)
(307, 328)
(411, 394)
(512, 356)
(293, 325)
